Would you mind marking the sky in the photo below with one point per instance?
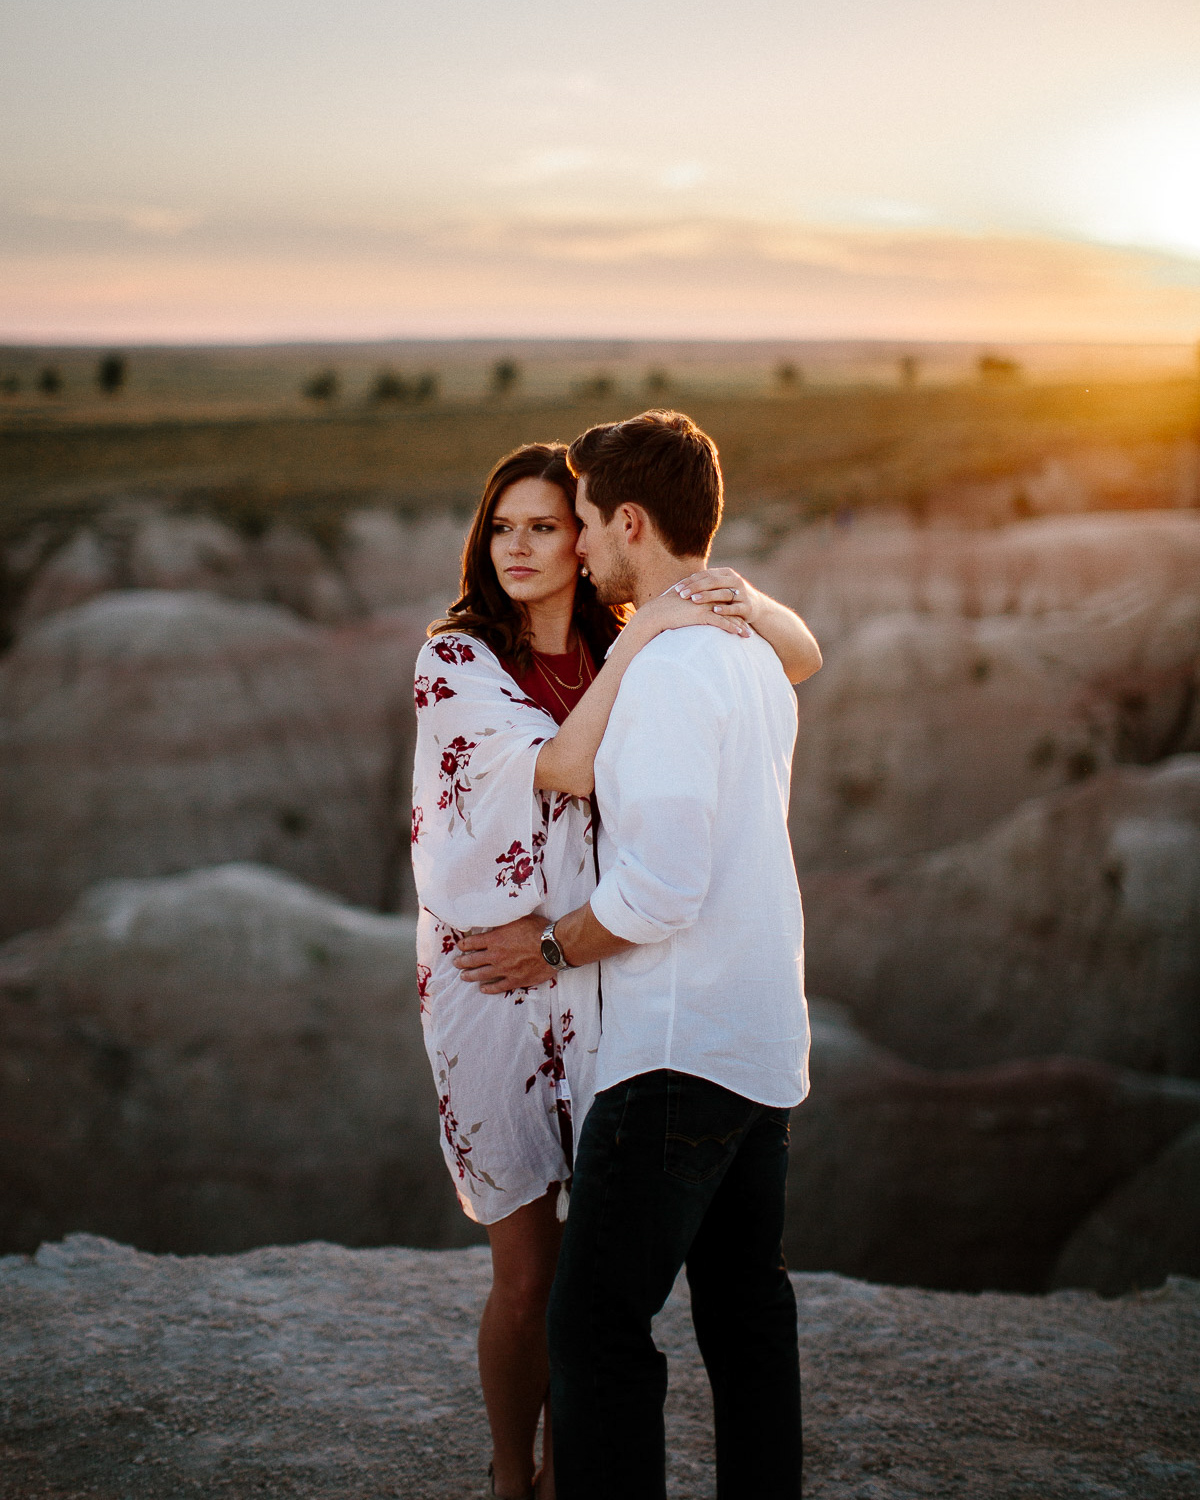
(248, 170)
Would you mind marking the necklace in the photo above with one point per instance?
(550, 678)
(570, 686)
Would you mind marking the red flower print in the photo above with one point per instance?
(553, 1069)
(523, 703)
(562, 802)
(452, 649)
(450, 935)
(424, 975)
(426, 692)
(455, 759)
(458, 1139)
(518, 864)
(418, 817)
(554, 1072)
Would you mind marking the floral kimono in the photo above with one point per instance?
(513, 1071)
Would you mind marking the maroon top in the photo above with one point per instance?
(556, 683)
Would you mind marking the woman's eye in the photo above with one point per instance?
(498, 529)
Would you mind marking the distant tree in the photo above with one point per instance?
(506, 376)
(10, 385)
(657, 384)
(323, 386)
(596, 387)
(997, 369)
(49, 381)
(111, 373)
(909, 367)
(788, 376)
(389, 386)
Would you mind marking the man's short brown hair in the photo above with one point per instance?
(662, 462)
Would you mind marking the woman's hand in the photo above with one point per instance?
(728, 595)
(725, 592)
(671, 611)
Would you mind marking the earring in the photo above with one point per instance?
(583, 572)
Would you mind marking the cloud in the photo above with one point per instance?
(898, 255)
(554, 274)
(556, 88)
(684, 175)
(880, 211)
(549, 165)
(625, 175)
(138, 218)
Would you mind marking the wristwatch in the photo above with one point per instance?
(551, 951)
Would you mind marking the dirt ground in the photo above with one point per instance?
(318, 1372)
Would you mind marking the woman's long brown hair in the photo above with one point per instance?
(483, 609)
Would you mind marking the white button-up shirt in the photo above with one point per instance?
(692, 780)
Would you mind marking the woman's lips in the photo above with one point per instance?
(520, 572)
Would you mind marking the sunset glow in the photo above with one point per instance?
(1141, 179)
(846, 168)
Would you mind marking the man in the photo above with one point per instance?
(682, 1159)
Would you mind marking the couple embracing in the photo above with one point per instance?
(610, 957)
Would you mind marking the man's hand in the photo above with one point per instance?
(507, 958)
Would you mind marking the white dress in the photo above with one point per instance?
(514, 1071)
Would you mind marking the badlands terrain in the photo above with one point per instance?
(209, 1028)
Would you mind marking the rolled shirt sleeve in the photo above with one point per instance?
(668, 724)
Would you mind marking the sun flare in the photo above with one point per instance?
(1140, 179)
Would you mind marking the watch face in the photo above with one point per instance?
(551, 952)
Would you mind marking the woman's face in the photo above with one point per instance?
(533, 542)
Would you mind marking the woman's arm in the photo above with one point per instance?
(567, 762)
(728, 594)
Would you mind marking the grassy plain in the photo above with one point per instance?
(227, 432)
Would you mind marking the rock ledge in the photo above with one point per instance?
(320, 1372)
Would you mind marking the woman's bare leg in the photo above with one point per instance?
(545, 1479)
(513, 1368)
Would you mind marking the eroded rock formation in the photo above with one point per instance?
(923, 731)
(1072, 926)
(377, 561)
(228, 1058)
(147, 732)
(218, 1060)
(1148, 1224)
(839, 577)
(971, 1179)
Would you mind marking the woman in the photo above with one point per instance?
(513, 692)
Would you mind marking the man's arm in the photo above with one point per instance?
(669, 733)
(510, 957)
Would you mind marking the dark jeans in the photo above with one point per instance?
(672, 1170)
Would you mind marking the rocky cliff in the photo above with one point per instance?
(332, 1374)
(211, 1061)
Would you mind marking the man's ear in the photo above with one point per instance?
(634, 522)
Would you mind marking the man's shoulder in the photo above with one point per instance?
(705, 652)
(689, 645)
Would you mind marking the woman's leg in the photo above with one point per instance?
(513, 1367)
